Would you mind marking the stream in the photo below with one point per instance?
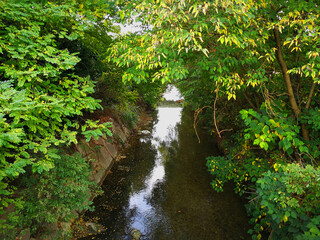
(162, 186)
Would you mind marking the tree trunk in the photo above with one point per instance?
(285, 74)
(249, 101)
(288, 82)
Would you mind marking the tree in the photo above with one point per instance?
(267, 51)
(211, 40)
(41, 98)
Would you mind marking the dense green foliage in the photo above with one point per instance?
(257, 58)
(54, 75)
(43, 97)
(288, 198)
(262, 56)
(52, 196)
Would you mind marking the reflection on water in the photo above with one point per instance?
(166, 192)
(140, 211)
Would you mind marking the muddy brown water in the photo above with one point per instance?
(162, 188)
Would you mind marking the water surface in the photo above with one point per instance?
(162, 188)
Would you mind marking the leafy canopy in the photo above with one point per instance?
(265, 52)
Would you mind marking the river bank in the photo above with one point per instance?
(106, 153)
(161, 188)
(101, 154)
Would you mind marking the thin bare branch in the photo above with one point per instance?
(214, 112)
(197, 112)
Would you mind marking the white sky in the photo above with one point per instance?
(172, 93)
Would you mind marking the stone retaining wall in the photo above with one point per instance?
(104, 151)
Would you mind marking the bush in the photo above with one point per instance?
(271, 160)
(54, 195)
(288, 201)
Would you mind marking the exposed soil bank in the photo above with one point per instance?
(105, 151)
(162, 189)
(102, 153)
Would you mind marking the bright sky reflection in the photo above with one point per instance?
(164, 132)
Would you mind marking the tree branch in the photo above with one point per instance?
(249, 100)
(214, 112)
(214, 115)
(310, 95)
(197, 112)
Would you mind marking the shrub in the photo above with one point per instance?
(54, 195)
(288, 202)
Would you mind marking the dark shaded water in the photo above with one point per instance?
(163, 189)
